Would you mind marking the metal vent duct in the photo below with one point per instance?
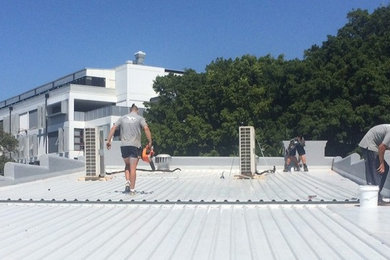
(163, 161)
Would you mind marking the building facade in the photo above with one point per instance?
(51, 118)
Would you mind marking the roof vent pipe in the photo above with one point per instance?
(139, 57)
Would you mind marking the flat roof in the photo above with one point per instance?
(193, 213)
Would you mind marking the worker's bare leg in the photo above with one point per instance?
(132, 174)
(127, 168)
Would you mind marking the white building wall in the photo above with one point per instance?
(58, 95)
(108, 74)
(134, 83)
(87, 93)
(93, 93)
(29, 151)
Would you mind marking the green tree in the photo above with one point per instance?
(7, 146)
(348, 91)
(336, 93)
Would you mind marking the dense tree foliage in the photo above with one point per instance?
(336, 93)
(7, 145)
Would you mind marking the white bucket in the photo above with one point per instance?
(368, 196)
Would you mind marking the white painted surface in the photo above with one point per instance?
(167, 218)
(54, 231)
(134, 83)
(193, 184)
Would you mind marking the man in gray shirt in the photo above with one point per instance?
(130, 131)
(374, 144)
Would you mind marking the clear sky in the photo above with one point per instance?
(43, 40)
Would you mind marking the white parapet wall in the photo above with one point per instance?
(315, 152)
(353, 168)
(50, 165)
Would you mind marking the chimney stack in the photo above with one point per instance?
(139, 57)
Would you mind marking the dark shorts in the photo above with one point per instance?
(131, 151)
(292, 152)
(300, 149)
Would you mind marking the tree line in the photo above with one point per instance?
(337, 92)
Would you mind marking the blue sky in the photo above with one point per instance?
(42, 40)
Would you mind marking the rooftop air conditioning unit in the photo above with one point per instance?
(93, 151)
(247, 150)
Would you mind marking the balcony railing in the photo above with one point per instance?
(100, 113)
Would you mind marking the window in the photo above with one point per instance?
(53, 142)
(23, 122)
(55, 109)
(90, 81)
(78, 139)
(33, 118)
(117, 134)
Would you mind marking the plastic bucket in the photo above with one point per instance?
(368, 196)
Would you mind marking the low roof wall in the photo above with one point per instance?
(353, 168)
(315, 155)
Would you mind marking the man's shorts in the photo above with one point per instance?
(300, 149)
(131, 151)
(292, 152)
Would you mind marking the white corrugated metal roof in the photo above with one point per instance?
(118, 231)
(191, 184)
(192, 214)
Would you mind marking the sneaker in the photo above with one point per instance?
(305, 168)
(127, 188)
(132, 192)
(381, 202)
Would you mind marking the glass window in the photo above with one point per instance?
(33, 118)
(53, 142)
(90, 81)
(23, 122)
(117, 134)
(78, 139)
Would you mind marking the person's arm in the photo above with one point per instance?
(148, 135)
(110, 135)
(381, 155)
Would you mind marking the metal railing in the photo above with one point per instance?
(100, 112)
(64, 81)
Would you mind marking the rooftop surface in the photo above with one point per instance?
(192, 213)
(190, 184)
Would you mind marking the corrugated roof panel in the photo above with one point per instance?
(118, 231)
(195, 185)
(192, 214)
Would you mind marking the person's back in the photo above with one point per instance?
(375, 136)
(130, 129)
